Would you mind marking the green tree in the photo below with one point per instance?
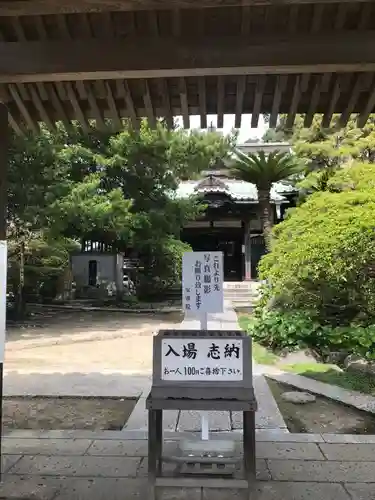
(264, 170)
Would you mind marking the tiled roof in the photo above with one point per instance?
(240, 191)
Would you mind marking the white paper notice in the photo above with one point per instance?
(202, 282)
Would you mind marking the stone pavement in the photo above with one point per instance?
(81, 465)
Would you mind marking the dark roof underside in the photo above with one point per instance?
(92, 60)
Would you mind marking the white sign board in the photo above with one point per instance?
(202, 282)
(202, 359)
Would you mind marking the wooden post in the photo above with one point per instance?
(3, 249)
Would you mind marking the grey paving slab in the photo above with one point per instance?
(349, 438)
(9, 461)
(139, 418)
(106, 383)
(284, 491)
(28, 487)
(282, 435)
(348, 452)
(322, 471)
(268, 415)
(37, 446)
(126, 448)
(289, 451)
(361, 491)
(190, 421)
(118, 489)
(86, 466)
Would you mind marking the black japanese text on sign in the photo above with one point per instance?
(202, 359)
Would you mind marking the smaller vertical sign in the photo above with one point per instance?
(202, 282)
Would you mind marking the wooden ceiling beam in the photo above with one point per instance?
(46, 7)
(69, 60)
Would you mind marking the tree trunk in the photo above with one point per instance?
(266, 214)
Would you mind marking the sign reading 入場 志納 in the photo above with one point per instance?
(202, 359)
(202, 282)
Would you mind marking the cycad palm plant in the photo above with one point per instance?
(263, 170)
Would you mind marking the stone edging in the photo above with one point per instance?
(355, 399)
(262, 435)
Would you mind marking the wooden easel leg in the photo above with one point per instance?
(249, 450)
(152, 454)
(159, 440)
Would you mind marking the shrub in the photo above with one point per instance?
(322, 256)
(293, 330)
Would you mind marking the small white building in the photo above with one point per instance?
(103, 271)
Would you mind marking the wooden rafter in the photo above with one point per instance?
(100, 123)
(345, 115)
(23, 109)
(240, 95)
(76, 106)
(130, 105)
(293, 18)
(327, 117)
(369, 107)
(56, 103)
(317, 18)
(14, 124)
(279, 89)
(202, 101)
(220, 101)
(259, 90)
(184, 103)
(168, 113)
(245, 20)
(297, 91)
(313, 102)
(148, 104)
(34, 93)
(113, 107)
(342, 12)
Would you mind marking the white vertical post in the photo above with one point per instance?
(204, 415)
(4, 135)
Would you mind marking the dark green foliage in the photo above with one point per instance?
(291, 330)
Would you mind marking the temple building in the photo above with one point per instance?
(231, 222)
